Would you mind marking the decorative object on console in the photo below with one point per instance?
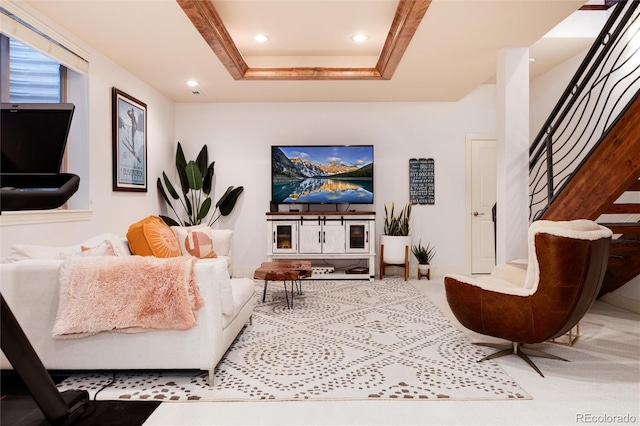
(196, 178)
(395, 242)
(423, 255)
(152, 237)
(129, 133)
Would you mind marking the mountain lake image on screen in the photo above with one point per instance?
(327, 174)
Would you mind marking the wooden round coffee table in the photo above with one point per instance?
(293, 271)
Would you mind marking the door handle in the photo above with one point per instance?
(478, 214)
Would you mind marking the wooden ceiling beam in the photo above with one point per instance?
(406, 21)
(206, 20)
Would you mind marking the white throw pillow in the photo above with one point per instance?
(105, 248)
(31, 251)
(226, 292)
(222, 239)
(120, 247)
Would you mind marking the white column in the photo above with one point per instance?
(512, 83)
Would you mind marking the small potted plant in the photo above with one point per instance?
(423, 255)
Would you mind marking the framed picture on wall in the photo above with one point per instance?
(129, 132)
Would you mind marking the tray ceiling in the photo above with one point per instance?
(310, 57)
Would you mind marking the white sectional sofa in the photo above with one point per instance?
(30, 288)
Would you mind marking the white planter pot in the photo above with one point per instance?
(424, 270)
(423, 267)
(394, 248)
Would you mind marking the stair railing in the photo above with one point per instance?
(605, 84)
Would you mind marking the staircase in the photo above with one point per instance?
(585, 162)
(608, 175)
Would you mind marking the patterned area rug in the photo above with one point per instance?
(342, 340)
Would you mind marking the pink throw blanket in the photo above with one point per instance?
(125, 294)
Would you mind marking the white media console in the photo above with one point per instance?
(323, 238)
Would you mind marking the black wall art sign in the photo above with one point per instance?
(421, 181)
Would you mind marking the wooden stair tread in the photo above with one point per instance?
(624, 245)
(623, 208)
(635, 186)
(616, 261)
(623, 227)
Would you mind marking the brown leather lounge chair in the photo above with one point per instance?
(566, 265)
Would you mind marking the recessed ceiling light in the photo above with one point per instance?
(359, 38)
(260, 38)
(192, 83)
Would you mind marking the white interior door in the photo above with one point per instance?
(483, 197)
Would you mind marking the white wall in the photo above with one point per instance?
(112, 211)
(239, 137)
(546, 90)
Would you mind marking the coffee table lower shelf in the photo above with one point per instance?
(339, 274)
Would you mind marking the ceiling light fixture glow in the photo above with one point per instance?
(260, 38)
(360, 38)
(192, 83)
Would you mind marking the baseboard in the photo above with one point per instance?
(243, 272)
(623, 302)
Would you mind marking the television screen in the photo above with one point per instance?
(327, 174)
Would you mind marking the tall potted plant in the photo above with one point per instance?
(196, 178)
(396, 234)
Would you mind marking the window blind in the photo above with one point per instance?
(18, 24)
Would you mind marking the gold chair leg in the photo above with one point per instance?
(516, 349)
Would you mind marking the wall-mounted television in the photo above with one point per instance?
(322, 174)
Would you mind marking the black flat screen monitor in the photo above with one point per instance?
(322, 174)
(34, 136)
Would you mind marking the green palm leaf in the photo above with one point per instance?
(181, 166)
(202, 159)
(204, 209)
(227, 202)
(194, 177)
(170, 188)
(207, 179)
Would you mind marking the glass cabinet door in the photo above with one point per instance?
(284, 237)
(357, 237)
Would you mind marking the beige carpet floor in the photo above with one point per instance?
(342, 340)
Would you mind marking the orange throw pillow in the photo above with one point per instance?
(152, 237)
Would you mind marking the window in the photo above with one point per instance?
(33, 77)
(38, 64)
